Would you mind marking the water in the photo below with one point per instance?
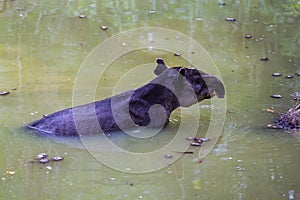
(43, 45)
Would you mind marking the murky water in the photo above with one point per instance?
(44, 43)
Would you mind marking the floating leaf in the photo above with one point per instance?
(196, 184)
(10, 172)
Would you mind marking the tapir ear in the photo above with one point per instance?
(181, 75)
(161, 66)
(182, 71)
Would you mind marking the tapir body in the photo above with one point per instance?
(147, 106)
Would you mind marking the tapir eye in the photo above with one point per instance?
(197, 88)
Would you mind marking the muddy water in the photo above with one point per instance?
(43, 45)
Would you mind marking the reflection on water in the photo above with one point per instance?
(42, 45)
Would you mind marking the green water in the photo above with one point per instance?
(44, 43)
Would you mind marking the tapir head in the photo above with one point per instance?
(188, 84)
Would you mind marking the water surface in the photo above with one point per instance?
(43, 44)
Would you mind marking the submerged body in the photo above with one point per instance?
(147, 106)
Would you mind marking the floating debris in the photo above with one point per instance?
(104, 27)
(2, 93)
(297, 73)
(82, 16)
(291, 194)
(204, 139)
(268, 110)
(276, 74)
(248, 36)
(10, 172)
(289, 76)
(131, 182)
(57, 158)
(200, 161)
(264, 59)
(221, 4)
(296, 96)
(230, 19)
(176, 54)
(198, 140)
(152, 11)
(41, 156)
(44, 160)
(168, 156)
(276, 96)
(189, 138)
(196, 144)
(184, 152)
(196, 184)
(272, 126)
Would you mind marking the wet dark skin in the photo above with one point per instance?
(147, 106)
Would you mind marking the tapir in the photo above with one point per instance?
(147, 106)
